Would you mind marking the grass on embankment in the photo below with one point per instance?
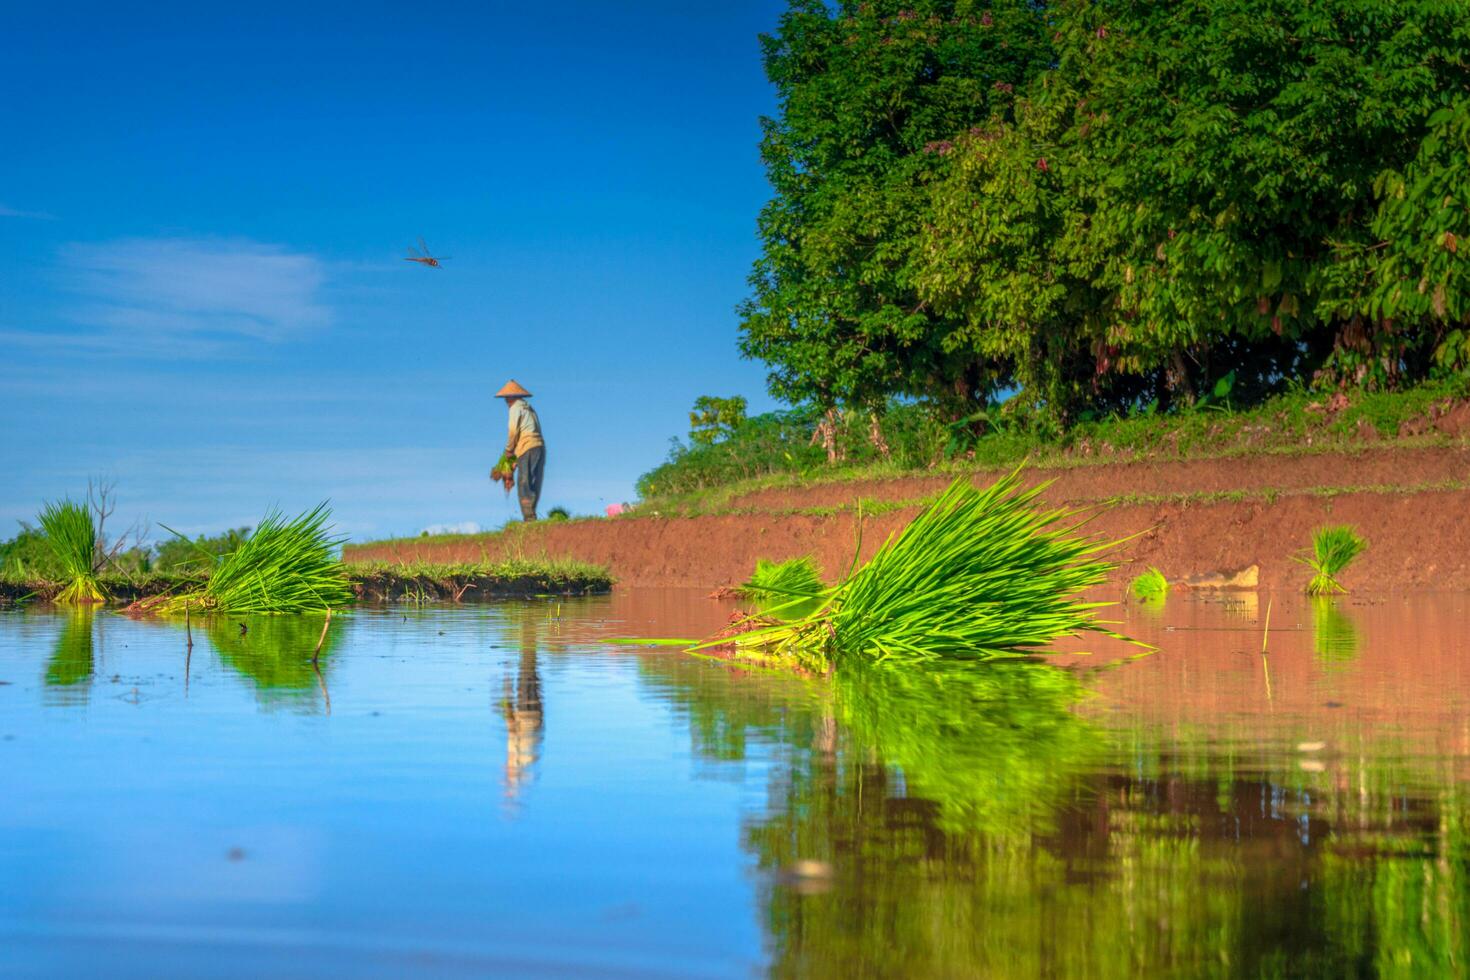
(1296, 423)
(417, 582)
(514, 577)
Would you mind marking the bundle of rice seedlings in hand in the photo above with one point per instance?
(784, 590)
(504, 471)
(1333, 549)
(282, 567)
(1150, 586)
(72, 536)
(979, 575)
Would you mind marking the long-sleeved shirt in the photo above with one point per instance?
(525, 429)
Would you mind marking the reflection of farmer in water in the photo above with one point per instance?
(525, 445)
(522, 709)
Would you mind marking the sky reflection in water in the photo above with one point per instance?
(494, 788)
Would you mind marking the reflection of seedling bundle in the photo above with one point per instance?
(980, 574)
(72, 536)
(504, 471)
(283, 567)
(1334, 637)
(274, 652)
(1333, 549)
(71, 663)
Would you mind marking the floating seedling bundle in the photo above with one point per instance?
(72, 535)
(785, 590)
(1333, 549)
(978, 575)
(1150, 586)
(285, 566)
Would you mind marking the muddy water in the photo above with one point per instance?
(496, 789)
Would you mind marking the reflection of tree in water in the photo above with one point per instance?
(521, 708)
(974, 826)
(70, 670)
(1334, 636)
(274, 653)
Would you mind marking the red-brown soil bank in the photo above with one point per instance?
(1413, 505)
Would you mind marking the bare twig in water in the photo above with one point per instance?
(317, 652)
(188, 648)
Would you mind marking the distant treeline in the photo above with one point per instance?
(1111, 204)
(27, 556)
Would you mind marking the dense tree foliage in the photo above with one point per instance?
(865, 94)
(1108, 204)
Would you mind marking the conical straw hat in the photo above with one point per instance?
(510, 388)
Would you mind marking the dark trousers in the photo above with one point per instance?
(530, 468)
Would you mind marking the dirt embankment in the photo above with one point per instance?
(1419, 538)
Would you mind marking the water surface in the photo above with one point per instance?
(483, 789)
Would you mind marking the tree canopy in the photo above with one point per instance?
(1104, 204)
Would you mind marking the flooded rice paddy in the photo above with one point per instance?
(498, 789)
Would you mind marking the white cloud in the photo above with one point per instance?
(463, 527)
(171, 290)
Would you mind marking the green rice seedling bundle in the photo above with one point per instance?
(785, 590)
(1333, 549)
(72, 536)
(284, 566)
(1151, 586)
(978, 575)
(504, 471)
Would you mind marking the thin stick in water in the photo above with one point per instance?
(323, 638)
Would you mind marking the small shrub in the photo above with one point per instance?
(179, 554)
(558, 514)
(27, 557)
(1333, 549)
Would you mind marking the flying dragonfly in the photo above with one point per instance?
(422, 256)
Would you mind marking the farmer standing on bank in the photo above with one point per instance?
(525, 445)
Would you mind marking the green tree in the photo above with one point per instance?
(1189, 193)
(713, 419)
(869, 94)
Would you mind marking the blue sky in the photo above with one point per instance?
(203, 213)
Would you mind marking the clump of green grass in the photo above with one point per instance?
(72, 535)
(558, 514)
(978, 575)
(284, 566)
(1333, 549)
(1150, 586)
(785, 590)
